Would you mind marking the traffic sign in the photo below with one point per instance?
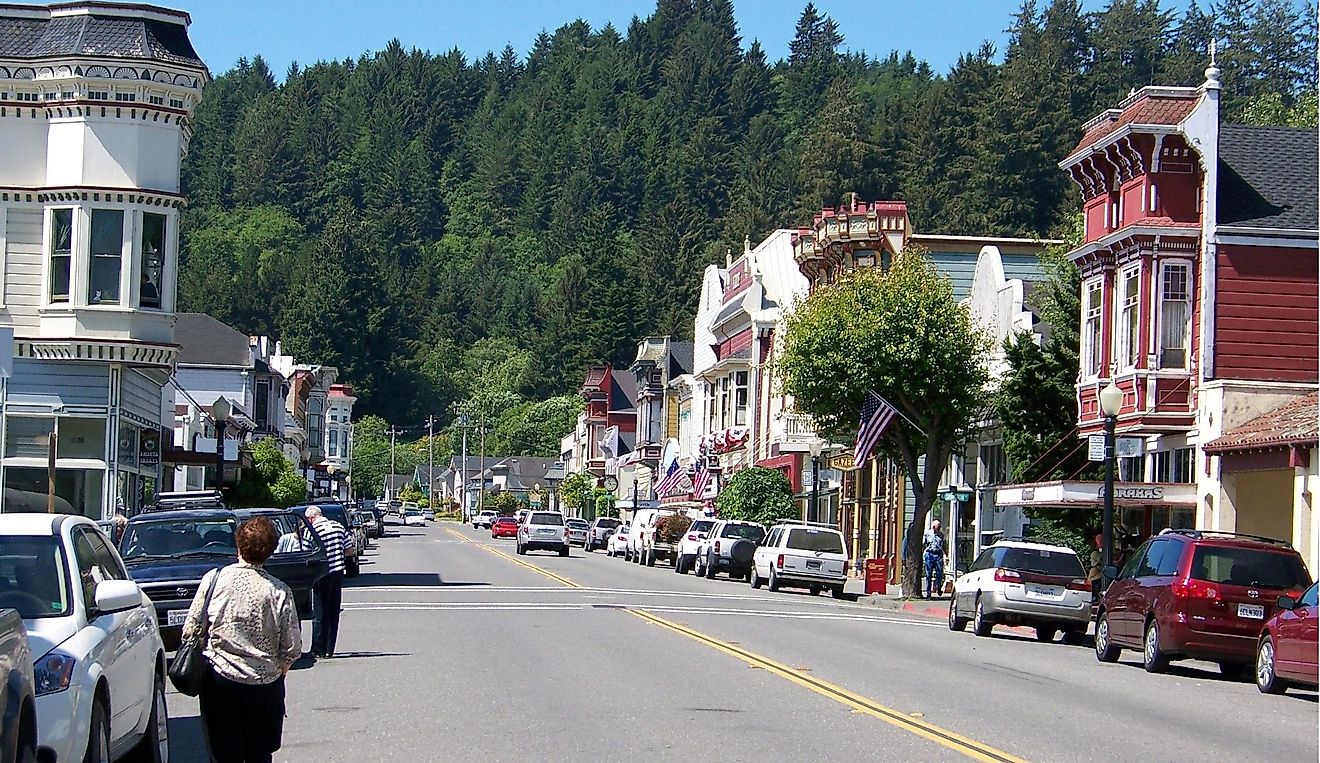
(1095, 447)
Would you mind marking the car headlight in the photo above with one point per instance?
(53, 673)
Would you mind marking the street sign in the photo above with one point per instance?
(1095, 447)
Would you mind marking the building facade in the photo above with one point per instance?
(95, 105)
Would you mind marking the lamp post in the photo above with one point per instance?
(816, 447)
(1111, 402)
(221, 410)
(332, 470)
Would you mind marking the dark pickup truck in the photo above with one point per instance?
(167, 552)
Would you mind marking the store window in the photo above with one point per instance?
(28, 436)
(81, 438)
(77, 491)
(1092, 310)
(1174, 465)
(107, 253)
(1175, 314)
(152, 279)
(61, 253)
(1125, 351)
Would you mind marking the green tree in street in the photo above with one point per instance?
(415, 494)
(757, 494)
(506, 504)
(577, 489)
(902, 335)
(272, 481)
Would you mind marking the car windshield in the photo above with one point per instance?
(1253, 567)
(1045, 561)
(701, 526)
(33, 577)
(814, 539)
(545, 518)
(576, 523)
(750, 532)
(178, 537)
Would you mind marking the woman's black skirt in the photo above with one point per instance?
(243, 721)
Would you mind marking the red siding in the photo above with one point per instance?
(1132, 193)
(1175, 196)
(1265, 314)
(1095, 217)
(739, 341)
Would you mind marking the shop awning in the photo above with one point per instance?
(1078, 493)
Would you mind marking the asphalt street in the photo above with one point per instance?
(453, 648)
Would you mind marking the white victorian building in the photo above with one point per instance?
(95, 101)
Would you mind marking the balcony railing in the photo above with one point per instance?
(792, 429)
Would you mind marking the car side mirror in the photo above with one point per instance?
(1287, 602)
(1110, 572)
(117, 596)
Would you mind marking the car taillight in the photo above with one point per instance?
(692, 537)
(1079, 584)
(1007, 576)
(779, 563)
(717, 547)
(1195, 589)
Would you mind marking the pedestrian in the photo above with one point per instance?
(252, 639)
(329, 589)
(934, 558)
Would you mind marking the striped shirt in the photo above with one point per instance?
(334, 538)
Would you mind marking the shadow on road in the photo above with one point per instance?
(374, 579)
(188, 740)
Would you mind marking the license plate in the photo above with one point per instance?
(176, 616)
(545, 532)
(1253, 611)
(1042, 592)
(813, 564)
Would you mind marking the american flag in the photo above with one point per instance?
(700, 479)
(667, 482)
(876, 415)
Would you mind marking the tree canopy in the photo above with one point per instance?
(757, 494)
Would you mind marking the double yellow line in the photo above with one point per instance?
(952, 740)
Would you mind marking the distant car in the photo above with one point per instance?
(577, 530)
(371, 524)
(413, 517)
(18, 699)
(1286, 655)
(543, 530)
(1024, 582)
(616, 544)
(809, 556)
(99, 669)
(1197, 594)
(599, 533)
(504, 527)
(484, 519)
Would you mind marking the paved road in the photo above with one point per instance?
(454, 648)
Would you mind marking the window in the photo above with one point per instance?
(740, 399)
(334, 443)
(1169, 561)
(1091, 311)
(314, 422)
(126, 97)
(81, 438)
(28, 436)
(1151, 560)
(155, 100)
(176, 103)
(995, 463)
(98, 95)
(29, 97)
(153, 261)
(1175, 314)
(61, 253)
(77, 491)
(1128, 344)
(1174, 465)
(261, 404)
(107, 253)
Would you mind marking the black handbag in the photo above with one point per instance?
(188, 669)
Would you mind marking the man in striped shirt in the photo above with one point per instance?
(329, 589)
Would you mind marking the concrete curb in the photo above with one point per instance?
(935, 609)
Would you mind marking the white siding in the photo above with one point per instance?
(39, 382)
(139, 395)
(23, 260)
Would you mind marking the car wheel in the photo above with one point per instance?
(1154, 660)
(838, 593)
(1105, 649)
(754, 578)
(650, 558)
(773, 585)
(981, 622)
(700, 564)
(563, 551)
(1074, 637)
(815, 590)
(1045, 634)
(1266, 679)
(956, 623)
(155, 744)
(678, 564)
(98, 735)
(711, 569)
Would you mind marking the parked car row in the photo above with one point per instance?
(1244, 602)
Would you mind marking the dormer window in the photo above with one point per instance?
(107, 251)
(61, 253)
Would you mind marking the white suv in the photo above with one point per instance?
(811, 556)
(99, 665)
(1023, 582)
(689, 546)
(543, 530)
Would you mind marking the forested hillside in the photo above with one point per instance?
(385, 214)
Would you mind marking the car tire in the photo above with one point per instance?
(1105, 649)
(1266, 679)
(1045, 634)
(754, 578)
(563, 551)
(839, 593)
(155, 744)
(956, 623)
(773, 584)
(711, 569)
(1153, 659)
(678, 564)
(521, 551)
(98, 734)
(700, 565)
(815, 590)
(981, 622)
(1074, 636)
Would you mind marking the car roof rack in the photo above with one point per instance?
(806, 523)
(1212, 534)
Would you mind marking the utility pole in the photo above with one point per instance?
(393, 433)
(430, 463)
(481, 489)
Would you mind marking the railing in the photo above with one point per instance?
(793, 427)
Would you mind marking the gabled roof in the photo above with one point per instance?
(524, 472)
(1294, 423)
(397, 482)
(1165, 106)
(1267, 177)
(625, 392)
(680, 359)
(205, 341)
(108, 35)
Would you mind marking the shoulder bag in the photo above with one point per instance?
(188, 669)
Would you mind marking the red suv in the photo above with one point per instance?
(1200, 595)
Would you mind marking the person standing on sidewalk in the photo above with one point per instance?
(329, 589)
(934, 559)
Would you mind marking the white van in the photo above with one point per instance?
(643, 526)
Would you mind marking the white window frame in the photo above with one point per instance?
(1092, 325)
(1127, 330)
(1165, 266)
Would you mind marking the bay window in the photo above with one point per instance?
(1092, 309)
(107, 253)
(1175, 314)
(152, 261)
(1129, 329)
(61, 253)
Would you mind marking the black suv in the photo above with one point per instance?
(167, 553)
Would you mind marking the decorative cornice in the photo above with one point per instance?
(97, 194)
(98, 350)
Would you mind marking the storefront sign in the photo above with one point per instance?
(1093, 494)
(129, 441)
(1142, 493)
(148, 447)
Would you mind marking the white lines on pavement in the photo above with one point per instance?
(610, 591)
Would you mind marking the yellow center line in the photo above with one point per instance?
(528, 565)
(952, 740)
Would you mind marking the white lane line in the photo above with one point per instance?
(584, 589)
(562, 607)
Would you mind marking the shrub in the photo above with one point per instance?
(670, 528)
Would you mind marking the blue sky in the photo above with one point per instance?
(306, 31)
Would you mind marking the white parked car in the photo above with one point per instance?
(1023, 582)
(413, 516)
(641, 532)
(690, 544)
(484, 519)
(801, 554)
(617, 543)
(543, 530)
(99, 664)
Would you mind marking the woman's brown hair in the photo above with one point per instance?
(257, 538)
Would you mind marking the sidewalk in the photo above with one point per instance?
(933, 608)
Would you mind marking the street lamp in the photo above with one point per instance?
(816, 447)
(221, 410)
(1111, 402)
(332, 470)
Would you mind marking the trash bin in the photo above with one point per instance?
(877, 576)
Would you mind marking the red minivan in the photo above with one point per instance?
(1197, 594)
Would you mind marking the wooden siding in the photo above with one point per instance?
(1265, 316)
(39, 382)
(139, 395)
(22, 295)
(740, 341)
